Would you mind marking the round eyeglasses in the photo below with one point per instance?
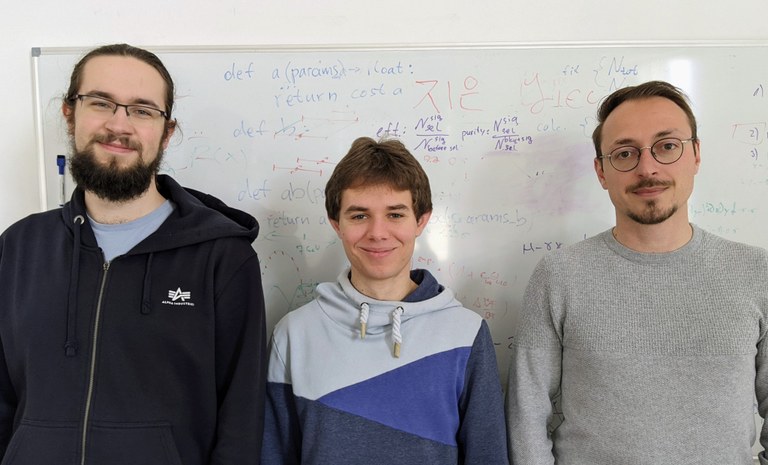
(665, 151)
(102, 107)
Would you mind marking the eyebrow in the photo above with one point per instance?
(359, 208)
(136, 101)
(657, 136)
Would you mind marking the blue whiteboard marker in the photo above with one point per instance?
(61, 162)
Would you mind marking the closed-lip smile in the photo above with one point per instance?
(648, 191)
(116, 147)
(377, 251)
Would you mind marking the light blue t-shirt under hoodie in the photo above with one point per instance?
(117, 239)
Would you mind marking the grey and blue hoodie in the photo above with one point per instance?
(338, 394)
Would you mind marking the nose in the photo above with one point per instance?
(119, 122)
(377, 229)
(646, 165)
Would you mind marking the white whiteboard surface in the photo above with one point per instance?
(502, 131)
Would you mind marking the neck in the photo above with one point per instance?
(108, 212)
(654, 238)
(390, 289)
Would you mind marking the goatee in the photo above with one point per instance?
(652, 214)
(109, 180)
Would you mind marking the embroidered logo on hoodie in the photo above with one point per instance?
(179, 297)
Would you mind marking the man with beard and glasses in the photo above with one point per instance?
(650, 338)
(132, 326)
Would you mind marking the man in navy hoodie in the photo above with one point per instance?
(132, 319)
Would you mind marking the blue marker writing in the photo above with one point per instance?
(61, 162)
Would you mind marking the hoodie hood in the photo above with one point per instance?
(368, 316)
(198, 217)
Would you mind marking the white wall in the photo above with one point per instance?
(84, 23)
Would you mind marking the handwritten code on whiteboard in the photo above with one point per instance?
(503, 133)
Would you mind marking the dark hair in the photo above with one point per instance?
(642, 91)
(123, 50)
(372, 163)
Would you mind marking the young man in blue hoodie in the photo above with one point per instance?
(385, 366)
(131, 319)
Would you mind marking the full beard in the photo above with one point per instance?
(109, 180)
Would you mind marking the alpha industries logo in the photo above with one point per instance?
(178, 294)
(179, 297)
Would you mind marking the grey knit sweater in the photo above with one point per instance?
(649, 358)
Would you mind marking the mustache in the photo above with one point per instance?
(646, 183)
(125, 141)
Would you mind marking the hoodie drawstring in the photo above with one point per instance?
(396, 336)
(146, 303)
(364, 309)
(70, 345)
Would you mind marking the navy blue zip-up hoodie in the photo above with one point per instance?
(157, 357)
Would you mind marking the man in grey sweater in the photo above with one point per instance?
(650, 338)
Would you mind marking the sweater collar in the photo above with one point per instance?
(655, 258)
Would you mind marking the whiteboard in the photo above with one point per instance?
(502, 131)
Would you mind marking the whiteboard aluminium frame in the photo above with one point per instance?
(37, 52)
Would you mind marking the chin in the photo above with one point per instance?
(652, 216)
(378, 275)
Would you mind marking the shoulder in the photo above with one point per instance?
(446, 306)
(574, 258)
(199, 216)
(721, 252)
(462, 316)
(712, 241)
(35, 219)
(37, 224)
(452, 317)
(732, 271)
(299, 320)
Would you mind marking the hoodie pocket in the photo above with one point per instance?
(46, 443)
(42, 443)
(131, 444)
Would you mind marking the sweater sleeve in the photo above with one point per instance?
(282, 433)
(534, 376)
(482, 433)
(241, 361)
(761, 391)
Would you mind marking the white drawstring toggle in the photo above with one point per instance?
(396, 335)
(363, 319)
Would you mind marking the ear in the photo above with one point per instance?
(422, 222)
(697, 154)
(600, 173)
(335, 225)
(69, 116)
(170, 128)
